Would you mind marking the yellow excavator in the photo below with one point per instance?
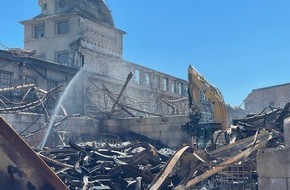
(208, 112)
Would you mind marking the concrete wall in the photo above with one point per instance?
(276, 96)
(166, 129)
(79, 129)
(101, 38)
(273, 165)
(274, 169)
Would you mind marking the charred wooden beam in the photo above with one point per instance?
(17, 87)
(122, 91)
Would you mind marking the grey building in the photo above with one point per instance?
(273, 96)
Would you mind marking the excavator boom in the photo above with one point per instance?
(208, 112)
(200, 90)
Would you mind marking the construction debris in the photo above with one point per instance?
(139, 165)
(117, 165)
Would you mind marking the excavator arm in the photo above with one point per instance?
(201, 90)
(208, 112)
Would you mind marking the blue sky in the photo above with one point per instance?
(237, 45)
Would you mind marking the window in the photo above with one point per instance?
(165, 84)
(50, 101)
(16, 95)
(180, 88)
(63, 59)
(173, 87)
(31, 95)
(51, 84)
(45, 6)
(62, 27)
(137, 76)
(31, 80)
(39, 31)
(147, 78)
(5, 79)
(185, 89)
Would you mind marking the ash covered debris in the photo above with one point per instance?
(112, 164)
(102, 165)
(136, 165)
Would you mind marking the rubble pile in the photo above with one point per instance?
(96, 165)
(139, 165)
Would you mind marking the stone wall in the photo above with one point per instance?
(164, 129)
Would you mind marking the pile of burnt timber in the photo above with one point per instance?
(138, 165)
(102, 166)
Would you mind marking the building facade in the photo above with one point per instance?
(67, 32)
(79, 35)
(273, 96)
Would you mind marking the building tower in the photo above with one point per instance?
(69, 32)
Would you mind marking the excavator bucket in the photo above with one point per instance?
(21, 167)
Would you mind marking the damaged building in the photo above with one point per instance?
(73, 54)
(82, 33)
(273, 96)
(78, 37)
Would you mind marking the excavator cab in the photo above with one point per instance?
(204, 136)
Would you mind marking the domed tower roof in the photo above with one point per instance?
(98, 9)
(93, 9)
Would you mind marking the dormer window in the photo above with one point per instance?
(39, 31)
(62, 27)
